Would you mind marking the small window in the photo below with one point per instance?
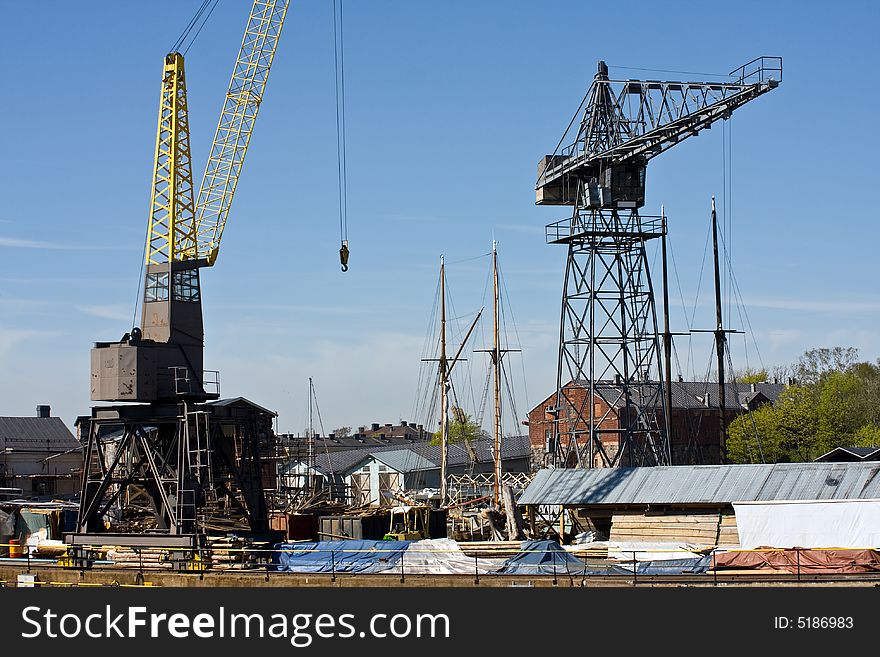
(186, 285)
(383, 468)
(156, 288)
(366, 468)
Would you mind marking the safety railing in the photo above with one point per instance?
(758, 71)
(400, 559)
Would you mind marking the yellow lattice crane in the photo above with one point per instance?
(163, 359)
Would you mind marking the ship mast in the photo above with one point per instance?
(496, 363)
(444, 387)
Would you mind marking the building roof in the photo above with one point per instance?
(421, 455)
(841, 454)
(704, 484)
(404, 460)
(39, 434)
(234, 401)
(685, 394)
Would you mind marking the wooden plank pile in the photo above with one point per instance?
(490, 549)
(149, 558)
(233, 553)
(696, 528)
(729, 534)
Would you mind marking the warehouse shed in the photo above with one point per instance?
(692, 504)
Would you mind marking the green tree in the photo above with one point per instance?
(461, 428)
(750, 375)
(836, 403)
(754, 437)
(815, 364)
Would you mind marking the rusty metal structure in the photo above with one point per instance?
(609, 338)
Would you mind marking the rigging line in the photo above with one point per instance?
(513, 409)
(724, 191)
(506, 296)
(320, 421)
(476, 257)
(739, 295)
(189, 26)
(700, 278)
(729, 230)
(666, 70)
(681, 297)
(137, 298)
(199, 31)
(429, 349)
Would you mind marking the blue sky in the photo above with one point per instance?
(449, 107)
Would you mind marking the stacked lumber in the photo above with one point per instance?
(589, 551)
(150, 558)
(729, 534)
(233, 553)
(491, 549)
(696, 528)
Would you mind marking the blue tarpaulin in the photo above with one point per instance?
(348, 556)
(542, 558)
(669, 566)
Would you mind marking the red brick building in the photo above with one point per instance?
(694, 421)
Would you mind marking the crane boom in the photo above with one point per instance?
(163, 358)
(627, 122)
(172, 230)
(236, 123)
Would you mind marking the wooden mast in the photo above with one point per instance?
(496, 362)
(444, 387)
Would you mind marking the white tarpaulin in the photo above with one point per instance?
(816, 524)
(442, 556)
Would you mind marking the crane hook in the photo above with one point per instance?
(343, 255)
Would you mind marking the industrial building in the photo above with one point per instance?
(693, 504)
(39, 456)
(695, 436)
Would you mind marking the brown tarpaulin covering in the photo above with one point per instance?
(811, 561)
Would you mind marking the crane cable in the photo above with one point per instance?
(178, 45)
(339, 66)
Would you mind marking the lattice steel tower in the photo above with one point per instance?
(609, 406)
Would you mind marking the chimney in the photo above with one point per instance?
(775, 380)
(680, 378)
(43, 410)
(361, 429)
(707, 400)
(404, 423)
(375, 426)
(754, 388)
(618, 380)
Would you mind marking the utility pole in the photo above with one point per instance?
(720, 335)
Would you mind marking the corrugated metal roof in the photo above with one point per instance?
(404, 460)
(36, 434)
(710, 484)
